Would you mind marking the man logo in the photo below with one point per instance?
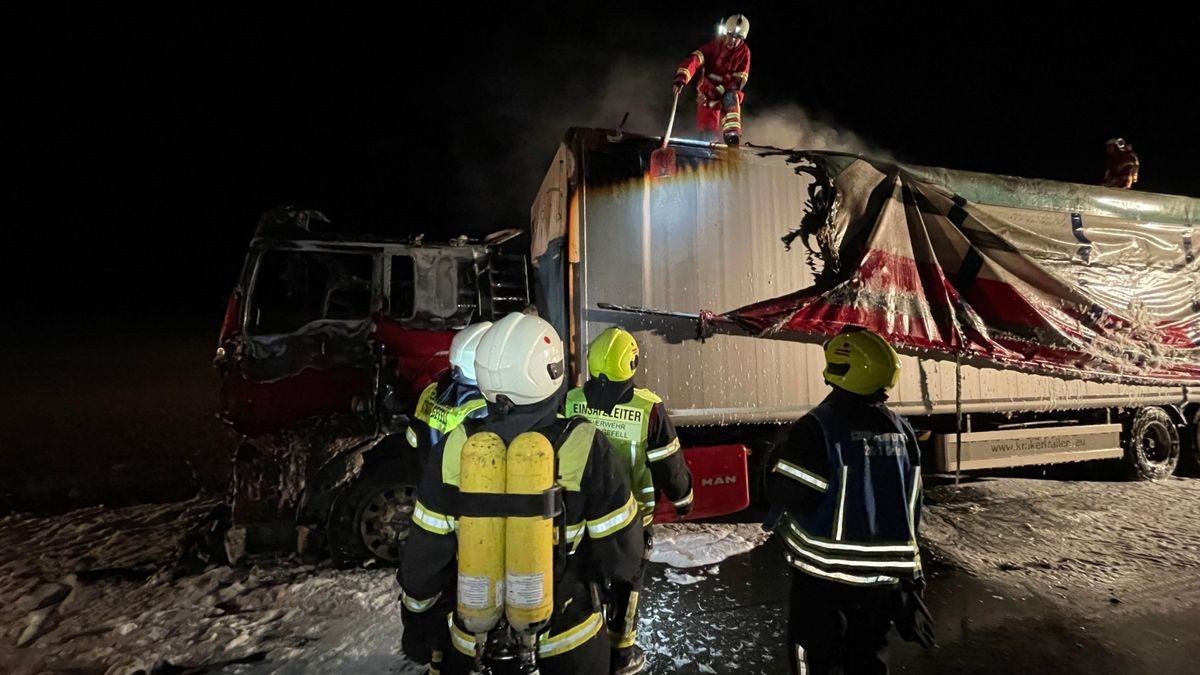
(719, 480)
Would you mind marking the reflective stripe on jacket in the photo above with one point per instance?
(603, 534)
(728, 69)
(863, 531)
(444, 409)
(628, 428)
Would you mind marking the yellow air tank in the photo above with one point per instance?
(481, 540)
(530, 557)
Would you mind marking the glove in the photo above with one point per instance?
(913, 621)
(771, 520)
(682, 509)
(678, 86)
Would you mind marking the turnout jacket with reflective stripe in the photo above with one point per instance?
(442, 406)
(644, 441)
(603, 535)
(848, 478)
(721, 68)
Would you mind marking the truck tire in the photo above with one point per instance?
(1152, 444)
(370, 519)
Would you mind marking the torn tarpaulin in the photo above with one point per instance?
(991, 267)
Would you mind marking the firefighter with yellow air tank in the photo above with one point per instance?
(453, 398)
(636, 423)
(521, 518)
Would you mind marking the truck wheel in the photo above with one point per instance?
(1152, 444)
(370, 519)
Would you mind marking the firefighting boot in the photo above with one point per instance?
(627, 661)
(732, 139)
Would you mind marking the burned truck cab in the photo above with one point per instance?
(327, 342)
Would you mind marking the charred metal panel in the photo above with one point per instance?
(707, 238)
(271, 471)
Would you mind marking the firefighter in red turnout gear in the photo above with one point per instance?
(721, 68)
(846, 488)
(1122, 170)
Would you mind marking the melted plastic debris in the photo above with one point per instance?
(697, 545)
(682, 578)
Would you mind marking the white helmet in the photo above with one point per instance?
(520, 358)
(737, 26)
(462, 349)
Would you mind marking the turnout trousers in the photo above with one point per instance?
(838, 629)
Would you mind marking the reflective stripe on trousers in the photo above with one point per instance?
(799, 664)
(548, 645)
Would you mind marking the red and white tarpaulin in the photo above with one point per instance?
(1048, 277)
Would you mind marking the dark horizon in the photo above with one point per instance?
(147, 144)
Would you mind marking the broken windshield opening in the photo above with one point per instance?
(295, 288)
(404, 287)
(434, 289)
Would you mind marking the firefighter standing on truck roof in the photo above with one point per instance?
(723, 67)
(1123, 164)
(848, 482)
(519, 364)
(636, 423)
(454, 397)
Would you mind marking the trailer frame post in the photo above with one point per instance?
(958, 418)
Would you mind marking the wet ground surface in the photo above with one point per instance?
(97, 591)
(734, 621)
(984, 629)
(1030, 575)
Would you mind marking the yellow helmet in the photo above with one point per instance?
(613, 354)
(861, 362)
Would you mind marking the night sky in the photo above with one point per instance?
(143, 145)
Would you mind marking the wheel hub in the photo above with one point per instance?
(385, 521)
(1154, 446)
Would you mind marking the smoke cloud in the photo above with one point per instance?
(791, 126)
(637, 87)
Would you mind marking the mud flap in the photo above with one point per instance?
(720, 483)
